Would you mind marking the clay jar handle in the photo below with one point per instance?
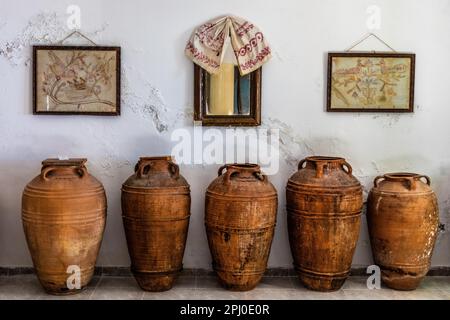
(220, 171)
(233, 170)
(412, 181)
(142, 165)
(260, 176)
(376, 181)
(174, 169)
(427, 178)
(347, 165)
(229, 173)
(301, 163)
(81, 170)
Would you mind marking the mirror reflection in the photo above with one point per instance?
(227, 92)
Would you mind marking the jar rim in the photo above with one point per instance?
(401, 175)
(166, 158)
(64, 163)
(325, 159)
(244, 165)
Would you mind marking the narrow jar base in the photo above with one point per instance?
(63, 291)
(154, 283)
(401, 282)
(321, 283)
(236, 282)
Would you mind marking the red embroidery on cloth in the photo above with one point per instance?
(244, 28)
(200, 56)
(206, 37)
(259, 57)
(252, 43)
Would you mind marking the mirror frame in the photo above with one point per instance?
(200, 112)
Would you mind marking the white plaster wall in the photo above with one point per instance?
(157, 97)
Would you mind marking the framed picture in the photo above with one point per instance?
(227, 98)
(76, 80)
(370, 82)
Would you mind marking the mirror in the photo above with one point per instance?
(227, 98)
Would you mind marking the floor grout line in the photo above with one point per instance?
(95, 288)
(276, 287)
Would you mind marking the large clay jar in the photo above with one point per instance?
(156, 209)
(64, 215)
(240, 216)
(324, 204)
(403, 219)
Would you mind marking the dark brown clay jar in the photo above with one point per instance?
(240, 216)
(64, 216)
(403, 220)
(156, 209)
(324, 204)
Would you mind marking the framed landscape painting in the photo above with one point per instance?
(370, 82)
(76, 80)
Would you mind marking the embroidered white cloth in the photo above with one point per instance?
(250, 48)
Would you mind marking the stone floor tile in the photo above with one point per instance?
(436, 283)
(185, 282)
(297, 284)
(220, 294)
(19, 280)
(417, 295)
(269, 294)
(85, 294)
(119, 282)
(207, 287)
(208, 282)
(276, 283)
(365, 294)
(315, 295)
(173, 294)
(352, 283)
(94, 282)
(117, 293)
(19, 292)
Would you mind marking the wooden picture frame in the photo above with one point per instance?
(389, 87)
(76, 80)
(200, 102)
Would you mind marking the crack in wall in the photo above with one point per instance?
(152, 105)
(43, 28)
(388, 120)
(292, 146)
(110, 163)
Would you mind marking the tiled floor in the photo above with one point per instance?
(206, 287)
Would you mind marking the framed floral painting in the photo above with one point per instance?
(370, 82)
(76, 80)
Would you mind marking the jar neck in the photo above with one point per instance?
(154, 164)
(72, 162)
(63, 168)
(401, 176)
(245, 170)
(329, 163)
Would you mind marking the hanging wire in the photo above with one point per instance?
(76, 32)
(368, 36)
